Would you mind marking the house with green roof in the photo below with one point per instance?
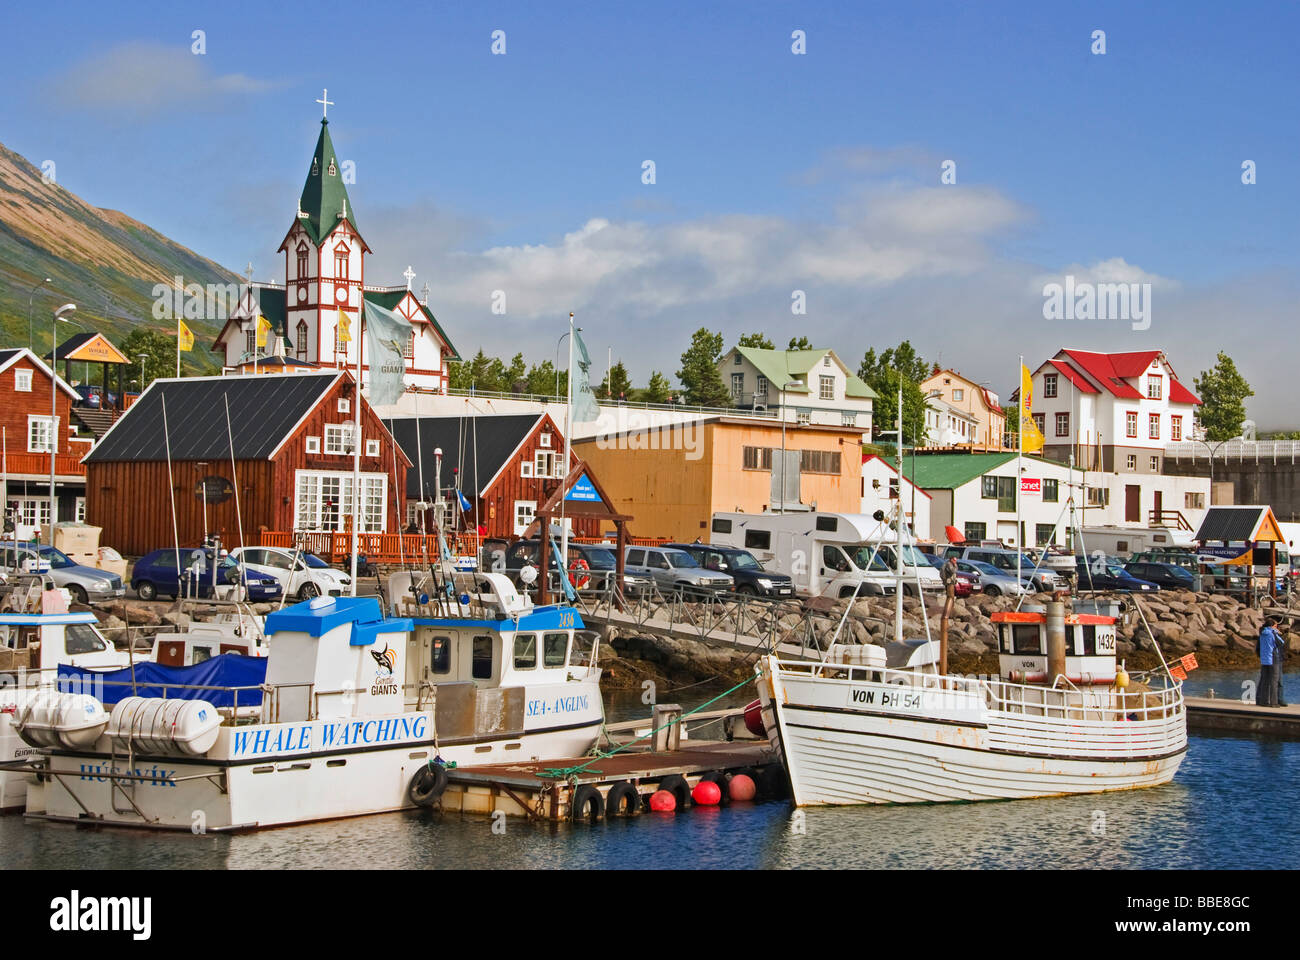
(801, 386)
(314, 315)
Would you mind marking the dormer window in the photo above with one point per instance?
(315, 167)
(333, 169)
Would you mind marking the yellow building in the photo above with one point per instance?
(673, 477)
(974, 399)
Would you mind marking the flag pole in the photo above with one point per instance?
(1020, 454)
(568, 453)
(356, 447)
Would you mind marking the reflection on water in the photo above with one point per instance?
(1229, 807)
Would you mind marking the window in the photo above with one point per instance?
(1155, 464)
(372, 448)
(482, 663)
(525, 511)
(1153, 426)
(1175, 428)
(848, 418)
(1062, 424)
(760, 390)
(1049, 385)
(301, 251)
(409, 351)
(1044, 533)
(525, 651)
(1002, 489)
(1131, 423)
(1131, 462)
(826, 387)
(250, 338)
(828, 524)
(826, 360)
(526, 468)
(1026, 638)
(738, 358)
(337, 438)
(323, 501)
(636, 558)
(544, 440)
(893, 488)
(1040, 421)
(737, 387)
(555, 647)
(758, 539)
(313, 444)
(1155, 387)
(442, 655)
(1051, 491)
(341, 262)
(345, 405)
(23, 381)
(300, 340)
(79, 512)
(40, 436)
(757, 458)
(976, 531)
(1099, 496)
(820, 461)
(958, 395)
(721, 526)
(544, 464)
(803, 416)
(1194, 501)
(989, 487)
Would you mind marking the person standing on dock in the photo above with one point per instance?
(1279, 662)
(1266, 693)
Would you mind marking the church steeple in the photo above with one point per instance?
(324, 200)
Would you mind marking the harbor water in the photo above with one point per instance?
(1231, 806)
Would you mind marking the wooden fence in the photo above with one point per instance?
(398, 547)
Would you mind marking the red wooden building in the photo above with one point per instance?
(285, 446)
(26, 399)
(505, 466)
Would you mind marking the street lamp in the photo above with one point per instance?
(143, 357)
(788, 385)
(54, 409)
(31, 334)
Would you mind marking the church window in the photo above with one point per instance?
(300, 341)
(333, 169)
(315, 167)
(341, 262)
(302, 259)
(250, 338)
(409, 353)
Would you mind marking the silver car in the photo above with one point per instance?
(674, 570)
(996, 582)
(84, 584)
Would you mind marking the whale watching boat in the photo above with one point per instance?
(351, 712)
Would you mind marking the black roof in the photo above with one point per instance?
(1230, 523)
(7, 355)
(263, 410)
(477, 446)
(73, 342)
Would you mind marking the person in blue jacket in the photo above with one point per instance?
(1266, 694)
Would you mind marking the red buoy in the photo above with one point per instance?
(754, 720)
(663, 800)
(741, 787)
(706, 794)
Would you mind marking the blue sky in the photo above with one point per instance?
(774, 172)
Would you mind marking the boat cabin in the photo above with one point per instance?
(1022, 647)
(38, 634)
(239, 633)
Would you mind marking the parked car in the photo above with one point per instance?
(83, 583)
(968, 582)
(1044, 579)
(600, 560)
(302, 575)
(1169, 576)
(674, 570)
(155, 574)
(1106, 573)
(93, 396)
(995, 581)
(747, 574)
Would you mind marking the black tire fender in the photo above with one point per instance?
(681, 790)
(588, 804)
(622, 799)
(773, 784)
(428, 784)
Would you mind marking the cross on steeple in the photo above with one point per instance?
(248, 272)
(325, 103)
(409, 275)
(424, 294)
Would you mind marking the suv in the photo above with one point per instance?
(745, 571)
(672, 570)
(1105, 573)
(83, 584)
(1044, 580)
(1169, 576)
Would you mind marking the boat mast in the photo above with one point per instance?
(898, 525)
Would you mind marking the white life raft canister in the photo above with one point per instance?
(53, 719)
(154, 725)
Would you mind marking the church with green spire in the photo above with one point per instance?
(314, 315)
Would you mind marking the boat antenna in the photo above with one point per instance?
(171, 487)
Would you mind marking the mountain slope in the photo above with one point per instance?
(102, 260)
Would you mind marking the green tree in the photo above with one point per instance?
(799, 343)
(883, 373)
(758, 340)
(617, 384)
(160, 359)
(543, 381)
(699, 372)
(1223, 393)
(658, 390)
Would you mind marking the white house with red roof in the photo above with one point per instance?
(881, 487)
(1115, 412)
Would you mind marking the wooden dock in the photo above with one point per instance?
(533, 789)
(1240, 716)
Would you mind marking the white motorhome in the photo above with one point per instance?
(827, 554)
(1125, 541)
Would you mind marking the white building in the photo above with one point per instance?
(949, 426)
(804, 386)
(881, 487)
(315, 315)
(974, 399)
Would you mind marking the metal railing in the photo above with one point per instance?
(732, 411)
(1275, 451)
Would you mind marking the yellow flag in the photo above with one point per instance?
(263, 328)
(345, 328)
(1031, 438)
(185, 336)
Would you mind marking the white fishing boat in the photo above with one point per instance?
(357, 713)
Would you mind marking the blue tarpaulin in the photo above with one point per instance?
(225, 671)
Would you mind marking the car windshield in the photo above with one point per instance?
(598, 559)
(57, 559)
(986, 568)
(680, 558)
(314, 561)
(862, 559)
(742, 561)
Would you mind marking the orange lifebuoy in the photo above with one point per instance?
(578, 577)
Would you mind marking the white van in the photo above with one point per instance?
(826, 554)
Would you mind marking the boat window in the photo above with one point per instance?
(82, 638)
(1089, 641)
(201, 654)
(482, 658)
(554, 648)
(525, 651)
(1027, 638)
(441, 655)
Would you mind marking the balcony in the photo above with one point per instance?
(38, 464)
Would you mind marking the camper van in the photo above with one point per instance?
(1125, 541)
(827, 554)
